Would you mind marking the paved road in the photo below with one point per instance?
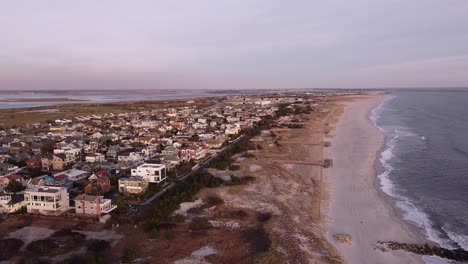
(202, 165)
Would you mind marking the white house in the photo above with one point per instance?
(95, 157)
(92, 205)
(47, 200)
(97, 135)
(152, 172)
(70, 153)
(130, 157)
(231, 130)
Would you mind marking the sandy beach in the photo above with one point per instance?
(356, 206)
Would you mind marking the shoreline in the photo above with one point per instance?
(357, 205)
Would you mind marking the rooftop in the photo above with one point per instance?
(153, 166)
(46, 189)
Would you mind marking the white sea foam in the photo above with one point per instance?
(435, 260)
(461, 240)
(417, 216)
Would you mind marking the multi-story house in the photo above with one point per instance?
(47, 200)
(113, 152)
(98, 184)
(193, 152)
(95, 157)
(155, 173)
(130, 157)
(133, 185)
(91, 205)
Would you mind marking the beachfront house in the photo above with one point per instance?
(92, 205)
(11, 202)
(47, 200)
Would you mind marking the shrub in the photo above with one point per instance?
(238, 214)
(9, 247)
(200, 224)
(154, 234)
(263, 216)
(169, 234)
(178, 218)
(258, 239)
(234, 167)
(41, 247)
(130, 255)
(248, 155)
(214, 200)
(98, 245)
(241, 180)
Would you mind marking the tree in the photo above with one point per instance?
(14, 186)
(47, 147)
(109, 142)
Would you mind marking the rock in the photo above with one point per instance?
(343, 238)
(425, 249)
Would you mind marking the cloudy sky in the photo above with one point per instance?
(249, 44)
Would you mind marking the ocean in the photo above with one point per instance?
(424, 163)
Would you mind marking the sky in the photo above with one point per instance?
(218, 44)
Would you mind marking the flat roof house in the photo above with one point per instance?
(92, 205)
(133, 185)
(155, 173)
(47, 200)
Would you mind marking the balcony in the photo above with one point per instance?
(106, 206)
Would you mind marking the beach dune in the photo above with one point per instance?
(356, 206)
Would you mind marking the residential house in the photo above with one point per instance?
(130, 157)
(214, 143)
(113, 152)
(133, 185)
(10, 203)
(59, 180)
(91, 205)
(170, 150)
(60, 162)
(74, 174)
(154, 173)
(47, 200)
(231, 130)
(95, 157)
(3, 183)
(34, 163)
(72, 154)
(6, 168)
(97, 135)
(192, 152)
(98, 184)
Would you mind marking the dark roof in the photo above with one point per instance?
(16, 198)
(61, 155)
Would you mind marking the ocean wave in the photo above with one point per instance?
(435, 260)
(460, 240)
(421, 219)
